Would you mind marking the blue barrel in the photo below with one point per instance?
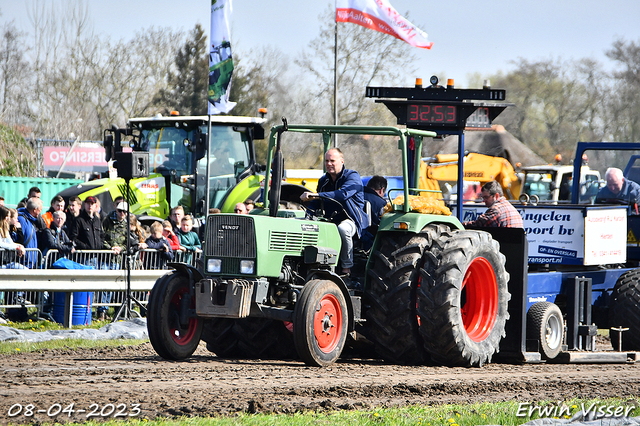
(81, 309)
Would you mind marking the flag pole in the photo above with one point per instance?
(335, 81)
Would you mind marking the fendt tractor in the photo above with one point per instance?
(428, 291)
(275, 270)
(189, 157)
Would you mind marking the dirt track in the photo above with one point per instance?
(205, 385)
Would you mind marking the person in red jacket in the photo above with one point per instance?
(167, 232)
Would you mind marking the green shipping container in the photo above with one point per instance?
(14, 189)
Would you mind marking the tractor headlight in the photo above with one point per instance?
(214, 265)
(247, 266)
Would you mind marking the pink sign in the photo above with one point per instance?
(81, 159)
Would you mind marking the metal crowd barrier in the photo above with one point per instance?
(26, 286)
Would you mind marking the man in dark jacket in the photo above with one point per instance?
(55, 238)
(374, 194)
(87, 232)
(343, 188)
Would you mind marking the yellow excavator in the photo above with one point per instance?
(443, 168)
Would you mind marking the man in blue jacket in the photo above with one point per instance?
(344, 203)
(618, 188)
(28, 218)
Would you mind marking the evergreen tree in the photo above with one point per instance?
(188, 84)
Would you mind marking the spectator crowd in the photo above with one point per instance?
(67, 227)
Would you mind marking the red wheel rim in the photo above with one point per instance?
(179, 335)
(327, 323)
(481, 305)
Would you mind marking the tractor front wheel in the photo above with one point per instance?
(174, 330)
(320, 323)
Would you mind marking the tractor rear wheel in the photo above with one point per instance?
(545, 325)
(463, 305)
(248, 338)
(320, 323)
(174, 331)
(394, 279)
(624, 311)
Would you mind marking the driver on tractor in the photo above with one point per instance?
(342, 191)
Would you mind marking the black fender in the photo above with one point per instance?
(331, 276)
(193, 274)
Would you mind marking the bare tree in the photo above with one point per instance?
(13, 67)
(85, 83)
(556, 104)
(365, 57)
(625, 104)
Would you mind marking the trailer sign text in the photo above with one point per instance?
(571, 235)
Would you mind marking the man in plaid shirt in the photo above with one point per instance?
(501, 212)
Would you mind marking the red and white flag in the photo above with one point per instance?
(379, 15)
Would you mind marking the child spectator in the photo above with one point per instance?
(15, 229)
(188, 239)
(157, 242)
(167, 232)
(138, 232)
(12, 250)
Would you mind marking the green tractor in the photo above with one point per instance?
(198, 162)
(432, 292)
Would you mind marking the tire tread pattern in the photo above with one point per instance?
(392, 322)
(536, 327)
(441, 325)
(248, 338)
(624, 311)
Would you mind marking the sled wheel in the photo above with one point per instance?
(464, 304)
(544, 324)
(624, 311)
(174, 330)
(320, 323)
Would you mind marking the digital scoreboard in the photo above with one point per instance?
(442, 110)
(432, 114)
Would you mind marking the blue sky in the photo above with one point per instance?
(469, 36)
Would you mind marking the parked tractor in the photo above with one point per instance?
(198, 162)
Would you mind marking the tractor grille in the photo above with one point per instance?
(291, 241)
(230, 237)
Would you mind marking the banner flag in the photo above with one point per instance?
(379, 15)
(220, 60)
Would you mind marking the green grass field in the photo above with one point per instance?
(503, 413)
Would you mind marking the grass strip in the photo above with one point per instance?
(499, 413)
